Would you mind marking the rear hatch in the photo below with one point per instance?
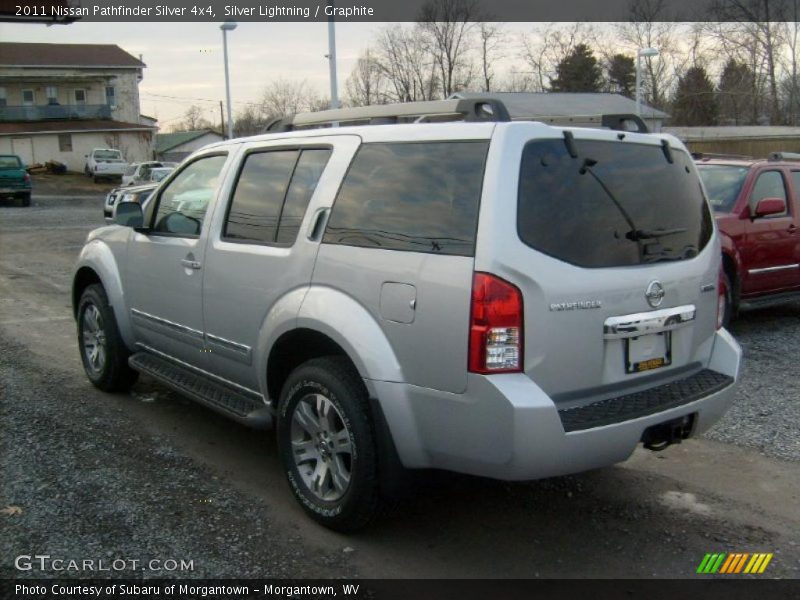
(610, 240)
(12, 173)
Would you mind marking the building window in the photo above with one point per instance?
(52, 94)
(65, 142)
(27, 98)
(3, 97)
(80, 96)
(111, 96)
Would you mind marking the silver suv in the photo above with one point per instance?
(508, 299)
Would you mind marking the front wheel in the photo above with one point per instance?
(326, 441)
(103, 353)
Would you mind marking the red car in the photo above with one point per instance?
(757, 208)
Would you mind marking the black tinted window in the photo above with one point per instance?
(420, 197)
(258, 197)
(616, 204)
(304, 181)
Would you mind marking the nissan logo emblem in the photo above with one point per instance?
(655, 294)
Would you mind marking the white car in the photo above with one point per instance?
(139, 173)
(160, 173)
(105, 163)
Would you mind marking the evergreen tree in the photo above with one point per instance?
(579, 71)
(695, 102)
(622, 75)
(735, 95)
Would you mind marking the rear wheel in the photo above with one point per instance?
(104, 355)
(326, 440)
(25, 199)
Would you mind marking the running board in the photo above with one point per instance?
(245, 409)
(769, 300)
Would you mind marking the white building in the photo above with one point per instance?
(59, 101)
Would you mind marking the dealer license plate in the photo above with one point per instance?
(648, 352)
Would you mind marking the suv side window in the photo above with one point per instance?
(182, 205)
(417, 197)
(769, 185)
(271, 195)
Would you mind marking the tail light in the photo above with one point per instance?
(26, 178)
(495, 338)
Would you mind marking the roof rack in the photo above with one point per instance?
(456, 109)
(776, 156)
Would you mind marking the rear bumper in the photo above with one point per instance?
(506, 427)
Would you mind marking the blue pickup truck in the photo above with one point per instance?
(14, 179)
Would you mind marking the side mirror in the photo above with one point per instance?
(128, 214)
(770, 206)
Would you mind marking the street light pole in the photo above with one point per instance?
(332, 59)
(226, 27)
(639, 54)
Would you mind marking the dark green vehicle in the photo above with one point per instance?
(14, 180)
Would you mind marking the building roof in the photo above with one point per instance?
(167, 141)
(528, 104)
(13, 54)
(732, 132)
(69, 126)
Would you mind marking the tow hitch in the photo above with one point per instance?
(658, 437)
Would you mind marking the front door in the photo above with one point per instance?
(165, 265)
(768, 252)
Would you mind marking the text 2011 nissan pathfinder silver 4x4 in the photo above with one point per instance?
(509, 299)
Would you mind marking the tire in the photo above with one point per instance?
(326, 441)
(727, 303)
(96, 179)
(25, 199)
(103, 353)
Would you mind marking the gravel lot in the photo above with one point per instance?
(153, 476)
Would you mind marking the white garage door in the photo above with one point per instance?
(23, 147)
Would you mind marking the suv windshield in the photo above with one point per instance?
(107, 154)
(723, 184)
(615, 204)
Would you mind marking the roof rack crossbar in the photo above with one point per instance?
(464, 109)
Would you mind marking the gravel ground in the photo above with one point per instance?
(766, 414)
(149, 501)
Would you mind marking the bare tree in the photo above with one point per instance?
(491, 48)
(366, 83)
(403, 61)
(547, 46)
(447, 26)
(650, 27)
(193, 119)
(287, 96)
(751, 31)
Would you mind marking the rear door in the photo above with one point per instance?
(263, 247)
(609, 238)
(769, 250)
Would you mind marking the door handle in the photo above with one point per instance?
(190, 264)
(792, 228)
(317, 224)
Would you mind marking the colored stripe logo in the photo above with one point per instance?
(734, 563)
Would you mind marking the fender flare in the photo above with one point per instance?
(99, 258)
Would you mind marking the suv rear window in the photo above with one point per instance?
(616, 204)
(417, 197)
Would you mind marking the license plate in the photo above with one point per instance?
(648, 352)
(7, 190)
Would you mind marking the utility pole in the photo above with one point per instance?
(221, 118)
(332, 58)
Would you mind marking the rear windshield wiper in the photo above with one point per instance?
(649, 234)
